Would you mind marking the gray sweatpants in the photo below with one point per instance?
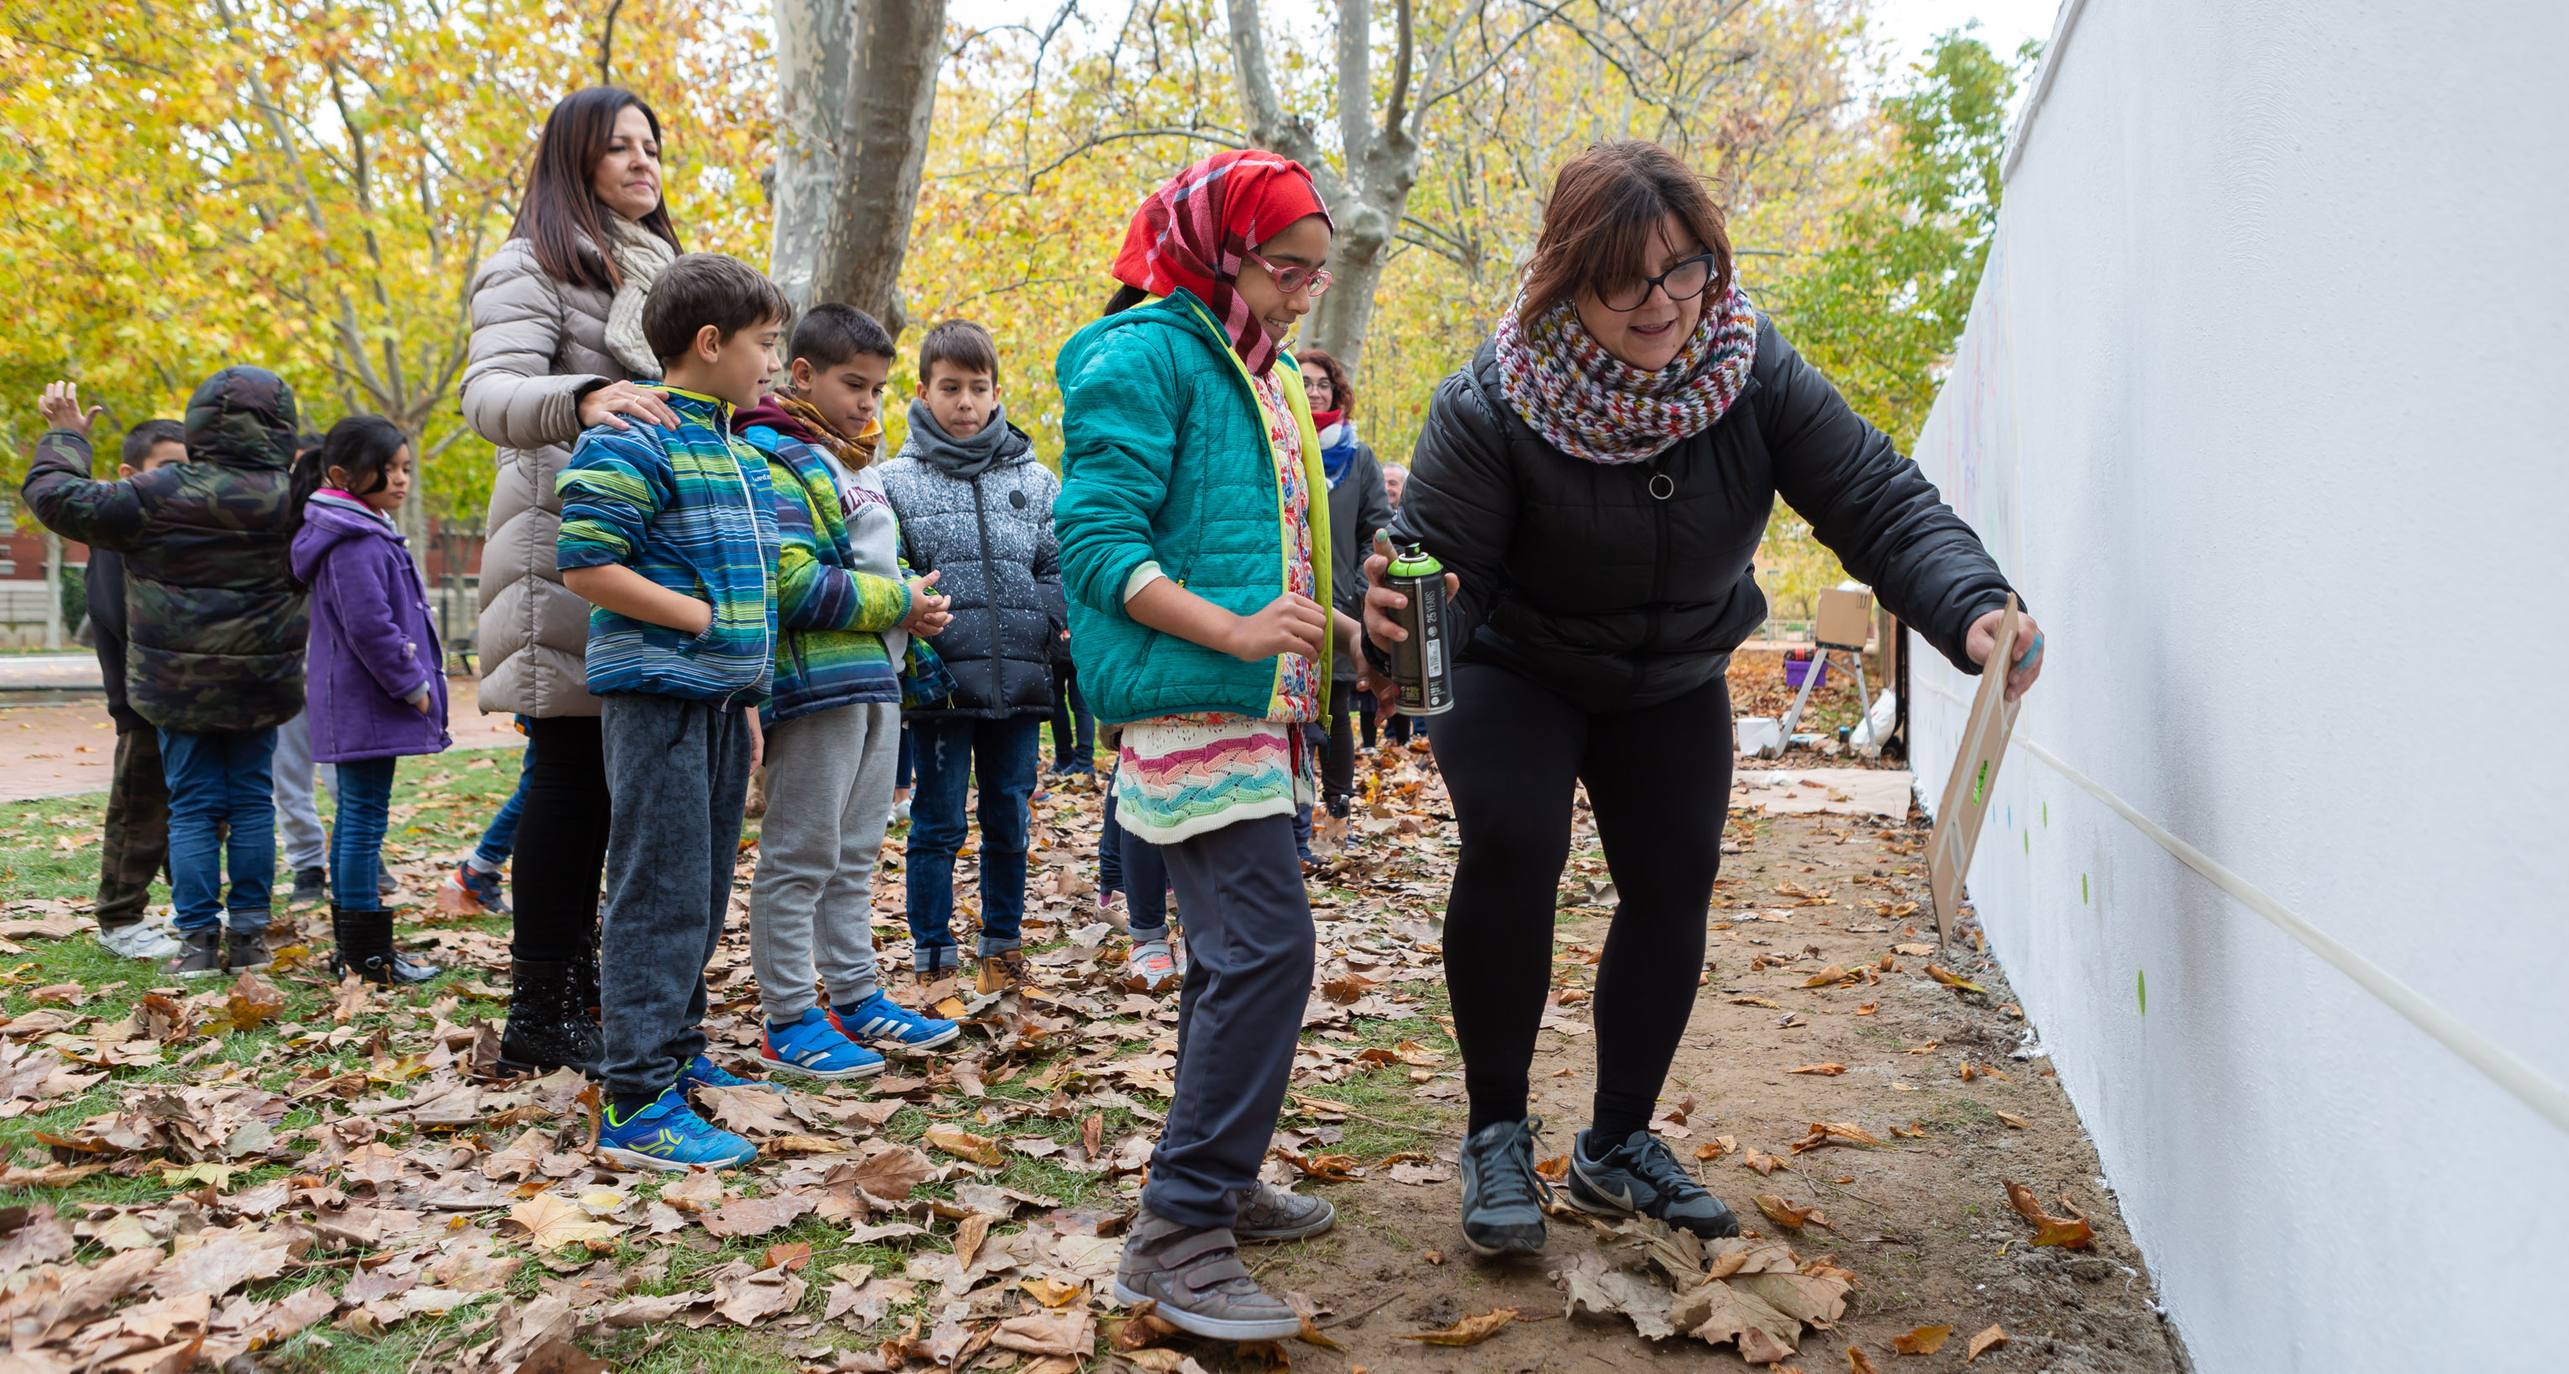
(1239, 1014)
(299, 836)
(679, 774)
(811, 907)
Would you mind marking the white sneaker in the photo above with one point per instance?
(140, 940)
(901, 812)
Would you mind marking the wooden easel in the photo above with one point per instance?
(1974, 778)
(1843, 621)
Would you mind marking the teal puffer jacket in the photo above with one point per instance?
(1165, 458)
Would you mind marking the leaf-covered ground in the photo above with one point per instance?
(291, 1175)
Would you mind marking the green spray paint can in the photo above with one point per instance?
(1422, 664)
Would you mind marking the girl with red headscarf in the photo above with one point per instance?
(1194, 530)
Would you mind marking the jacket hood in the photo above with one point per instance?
(777, 418)
(330, 519)
(242, 417)
(1178, 312)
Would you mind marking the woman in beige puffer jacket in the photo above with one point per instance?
(556, 349)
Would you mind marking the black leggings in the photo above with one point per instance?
(1659, 780)
(561, 842)
(1338, 754)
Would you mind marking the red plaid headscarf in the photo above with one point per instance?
(1196, 230)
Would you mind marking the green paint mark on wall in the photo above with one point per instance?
(2029, 841)
(2082, 890)
(2047, 815)
(2141, 989)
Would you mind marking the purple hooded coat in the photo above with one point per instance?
(372, 649)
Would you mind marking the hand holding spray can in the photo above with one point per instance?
(1423, 663)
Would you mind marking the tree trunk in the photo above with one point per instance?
(53, 590)
(812, 40)
(1366, 200)
(848, 180)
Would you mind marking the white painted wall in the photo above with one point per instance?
(2262, 406)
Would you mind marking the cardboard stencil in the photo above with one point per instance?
(1974, 779)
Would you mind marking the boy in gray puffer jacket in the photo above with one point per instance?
(977, 508)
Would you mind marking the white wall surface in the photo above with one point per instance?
(2262, 407)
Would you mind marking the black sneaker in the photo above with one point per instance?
(200, 952)
(1502, 1196)
(1640, 1177)
(244, 950)
(311, 886)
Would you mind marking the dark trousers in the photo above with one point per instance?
(561, 841)
(364, 788)
(1659, 779)
(135, 846)
(680, 774)
(1129, 864)
(222, 813)
(1239, 1014)
(1369, 713)
(1074, 729)
(1338, 754)
(952, 750)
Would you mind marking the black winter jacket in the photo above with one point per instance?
(1575, 575)
(1358, 506)
(103, 584)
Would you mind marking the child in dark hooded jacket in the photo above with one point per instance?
(375, 688)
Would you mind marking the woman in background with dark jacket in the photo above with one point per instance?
(1358, 509)
(1597, 481)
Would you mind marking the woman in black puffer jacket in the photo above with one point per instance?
(1597, 481)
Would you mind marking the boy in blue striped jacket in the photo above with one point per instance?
(668, 532)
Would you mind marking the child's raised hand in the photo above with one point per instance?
(60, 408)
(929, 612)
(1290, 624)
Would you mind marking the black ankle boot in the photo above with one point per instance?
(549, 1025)
(364, 941)
(361, 942)
(243, 952)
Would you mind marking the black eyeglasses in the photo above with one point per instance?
(1683, 282)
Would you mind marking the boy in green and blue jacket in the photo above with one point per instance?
(834, 723)
(670, 533)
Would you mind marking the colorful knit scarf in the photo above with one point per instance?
(852, 453)
(1337, 443)
(1196, 230)
(1587, 403)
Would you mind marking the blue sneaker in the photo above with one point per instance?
(703, 1072)
(812, 1046)
(669, 1135)
(879, 1020)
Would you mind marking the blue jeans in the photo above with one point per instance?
(500, 840)
(357, 837)
(219, 780)
(949, 751)
(1129, 864)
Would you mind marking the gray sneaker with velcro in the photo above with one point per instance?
(1272, 1213)
(1195, 1278)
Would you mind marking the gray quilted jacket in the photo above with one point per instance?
(991, 537)
(538, 344)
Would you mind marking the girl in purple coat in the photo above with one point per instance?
(375, 685)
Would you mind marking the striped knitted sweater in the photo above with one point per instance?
(687, 507)
(833, 615)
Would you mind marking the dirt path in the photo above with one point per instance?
(62, 751)
(1923, 1222)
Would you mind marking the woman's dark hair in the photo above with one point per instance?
(1342, 393)
(1603, 216)
(560, 211)
(361, 446)
(1125, 298)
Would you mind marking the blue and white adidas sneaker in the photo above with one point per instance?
(812, 1046)
(878, 1020)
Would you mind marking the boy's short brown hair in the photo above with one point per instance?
(960, 344)
(699, 289)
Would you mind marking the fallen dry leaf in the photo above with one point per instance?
(1857, 1362)
(1954, 980)
(1923, 1340)
(2068, 1232)
(1867, 1008)
(550, 1220)
(963, 1144)
(1830, 1070)
(1985, 1342)
(1834, 1133)
(2014, 1120)
(1470, 1330)
(1762, 1162)
(1788, 1216)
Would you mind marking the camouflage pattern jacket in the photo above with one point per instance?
(214, 619)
